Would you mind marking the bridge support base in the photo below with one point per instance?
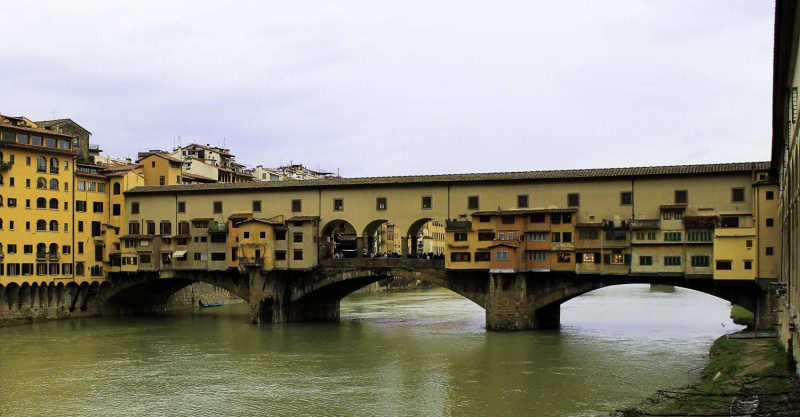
(510, 305)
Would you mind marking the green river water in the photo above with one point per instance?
(421, 353)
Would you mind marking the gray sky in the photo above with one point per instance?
(411, 87)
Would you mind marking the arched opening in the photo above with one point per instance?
(41, 203)
(338, 240)
(380, 239)
(53, 225)
(426, 239)
(54, 165)
(41, 250)
(41, 225)
(117, 187)
(41, 183)
(54, 184)
(41, 164)
(11, 295)
(53, 204)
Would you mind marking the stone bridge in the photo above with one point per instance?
(512, 301)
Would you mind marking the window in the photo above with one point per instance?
(262, 235)
(135, 207)
(256, 206)
(730, 221)
(217, 207)
(678, 215)
(297, 237)
(681, 197)
(80, 226)
(95, 229)
(770, 222)
(626, 198)
(537, 236)
(555, 218)
(460, 237)
(566, 218)
(41, 225)
(737, 195)
(116, 188)
(590, 234)
(672, 261)
(246, 235)
(563, 257)
(473, 202)
(616, 235)
(54, 184)
(380, 203)
(133, 228)
(588, 258)
(672, 236)
(53, 204)
(297, 206)
(501, 255)
(646, 260)
(537, 218)
(522, 201)
(101, 187)
(162, 180)
(484, 236)
(769, 251)
(181, 207)
(724, 265)
(151, 227)
(165, 227)
(427, 202)
(566, 237)
(297, 255)
(97, 207)
(666, 215)
(701, 261)
(338, 204)
(116, 210)
(460, 256)
(770, 195)
(573, 200)
(556, 237)
(280, 234)
(699, 236)
(41, 164)
(482, 256)
(218, 256)
(537, 256)
(280, 255)
(507, 219)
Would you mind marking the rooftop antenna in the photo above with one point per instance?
(54, 113)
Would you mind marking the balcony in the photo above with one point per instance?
(53, 256)
(6, 165)
(645, 224)
(218, 227)
(251, 262)
(537, 227)
(46, 256)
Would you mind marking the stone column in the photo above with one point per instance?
(360, 247)
(765, 306)
(404, 245)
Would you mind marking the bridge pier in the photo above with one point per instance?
(511, 305)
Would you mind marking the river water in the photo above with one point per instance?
(422, 353)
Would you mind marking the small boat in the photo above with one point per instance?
(217, 304)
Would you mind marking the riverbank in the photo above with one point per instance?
(744, 376)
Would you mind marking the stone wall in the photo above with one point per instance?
(191, 295)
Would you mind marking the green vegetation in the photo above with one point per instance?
(742, 316)
(736, 368)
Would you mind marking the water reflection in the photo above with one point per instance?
(416, 353)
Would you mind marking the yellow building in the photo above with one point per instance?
(161, 169)
(36, 182)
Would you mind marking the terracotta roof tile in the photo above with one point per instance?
(512, 212)
(526, 176)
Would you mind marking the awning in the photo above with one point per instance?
(178, 253)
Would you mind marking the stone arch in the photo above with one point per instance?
(371, 236)
(24, 298)
(11, 300)
(338, 237)
(416, 237)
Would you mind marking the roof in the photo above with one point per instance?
(677, 206)
(197, 177)
(513, 212)
(506, 244)
(237, 216)
(260, 220)
(303, 219)
(458, 226)
(588, 225)
(162, 155)
(56, 122)
(33, 129)
(202, 219)
(526, 176)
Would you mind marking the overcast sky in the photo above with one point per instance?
(411, 87)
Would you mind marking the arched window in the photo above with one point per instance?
(41, 248)
(41, 203)
(1, 157)
(53, 226)
(1, 201)
(116, 188)
(53, 204)
(54, 165)
(1, 179)
(53, 184)
(1, 224)
(53, 248)
(41, 183)
(41, 164)
(41, 225)
(79, 268)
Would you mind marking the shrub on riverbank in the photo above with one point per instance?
(739, 370)
(742, 316)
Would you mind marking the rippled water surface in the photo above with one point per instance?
(415, 353)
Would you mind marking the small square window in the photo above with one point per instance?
(218, 207)
(626, 198)
(522, 201)
(737, 195)
(770, 195)
(573, 200)
(770, 222)
(681, 197)
(338, 204)
(181, 207)
(297, 206)
(380, 203)
(256, 206)
(473, 202)
(427, 202)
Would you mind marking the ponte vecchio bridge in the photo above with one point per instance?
(517, 244)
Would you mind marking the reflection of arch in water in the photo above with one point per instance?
(338, 236)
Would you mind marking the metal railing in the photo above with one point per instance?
(6, 165)
(218, 227)
(259, 262)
